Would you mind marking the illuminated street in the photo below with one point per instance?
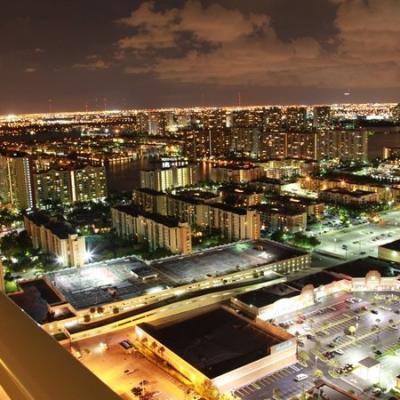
(360, 241)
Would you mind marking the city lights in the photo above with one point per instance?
(200, 200)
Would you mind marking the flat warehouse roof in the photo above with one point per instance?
(359, 268)
(225, 259)
(395, 245)
(317, 280)
(215, 342)
(104, 282)
(268, 295)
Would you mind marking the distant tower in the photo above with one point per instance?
(2, 283)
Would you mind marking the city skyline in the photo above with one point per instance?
(200, 200)
(143, 54)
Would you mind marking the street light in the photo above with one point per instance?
(88, 256)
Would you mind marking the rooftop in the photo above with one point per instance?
(240, 190)
(104, 282)
(359, 268)
(297, 200)
(225, 259)
(395, 245)
(135, 211)
(214, 342)
(268, 295)
(56, 225)
(279, 209)
(349, 177)
(353, 193)
(61, 229)
(232, 209)
(197, 194)
(317, 280)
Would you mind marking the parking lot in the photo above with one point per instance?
(333, 337)
(358, 241)
(126, 371)
(103, 282)
(283, 379)
(226, 259)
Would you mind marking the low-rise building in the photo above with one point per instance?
(158, 231)
(243, 196)
(236, 173)
(200, 210)
(384, 191)
(348, 197)
(282, 218)
(390, 251)
(57, 238)
(288, 168)
(313, 207)
(218, 347)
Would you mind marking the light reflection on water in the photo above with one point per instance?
(126, 176)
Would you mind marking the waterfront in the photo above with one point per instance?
(126, 176)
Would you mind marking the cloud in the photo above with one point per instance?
(30, 70)
(92, 62)
(162, 29)
(230, 47)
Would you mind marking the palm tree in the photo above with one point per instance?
(277, 393)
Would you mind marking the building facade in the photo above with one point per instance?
(70, 185)
(156, 230)
(236, 223)
(236, 173)
(348, 197)
(164, 179)
(16, 181)
(57, 238)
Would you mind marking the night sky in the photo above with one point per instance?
(118, 53)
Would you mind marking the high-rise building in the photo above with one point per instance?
(343, 145)
(301, 145)
(69, 185)
(16, 181)
(273, 119)
(295, 118)
(322, 117)
(396, 113)
(164, 179)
